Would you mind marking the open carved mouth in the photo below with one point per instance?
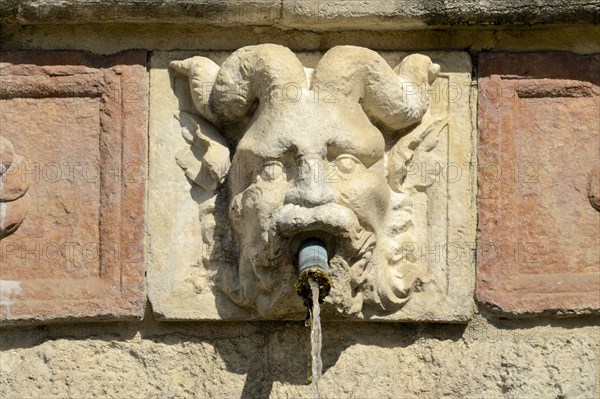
(336, 225)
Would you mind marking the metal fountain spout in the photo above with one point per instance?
(314, 282)
(313, 264)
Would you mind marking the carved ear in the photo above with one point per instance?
(392, 98)
(206, 162)
(415, 150)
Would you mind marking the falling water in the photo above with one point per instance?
(315, 339)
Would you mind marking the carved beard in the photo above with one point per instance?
(366, 277)
(266, 283)
(365, 284)
(384, 276)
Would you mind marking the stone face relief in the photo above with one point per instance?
(14, 200)
(278, 152)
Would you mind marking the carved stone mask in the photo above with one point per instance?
(292, 152)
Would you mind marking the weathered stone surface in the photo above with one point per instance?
(539, 229)
(76, 124)
(301, 14)
(212, 12)
(269, 360)
(411, 14)
(100, 38)
(411, 266)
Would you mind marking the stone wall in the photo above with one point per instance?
(514, 346)
(489, 358)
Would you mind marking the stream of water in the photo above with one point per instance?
(315, 340)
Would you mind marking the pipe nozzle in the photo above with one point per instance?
(313, 264)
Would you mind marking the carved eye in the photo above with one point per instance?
(272, 171)
(347, 163)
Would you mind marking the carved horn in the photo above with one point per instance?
(201, 73)
(254, 73)
(392, 98)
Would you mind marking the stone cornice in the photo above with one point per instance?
(305, 15)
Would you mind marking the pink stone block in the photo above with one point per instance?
(539, 160)
(73, 129)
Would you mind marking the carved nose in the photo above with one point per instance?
(311, 187)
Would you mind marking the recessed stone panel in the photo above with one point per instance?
(202, 269)
(539, 159)
(73, 142)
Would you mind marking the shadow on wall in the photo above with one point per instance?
(265, 352)
(251, 359)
